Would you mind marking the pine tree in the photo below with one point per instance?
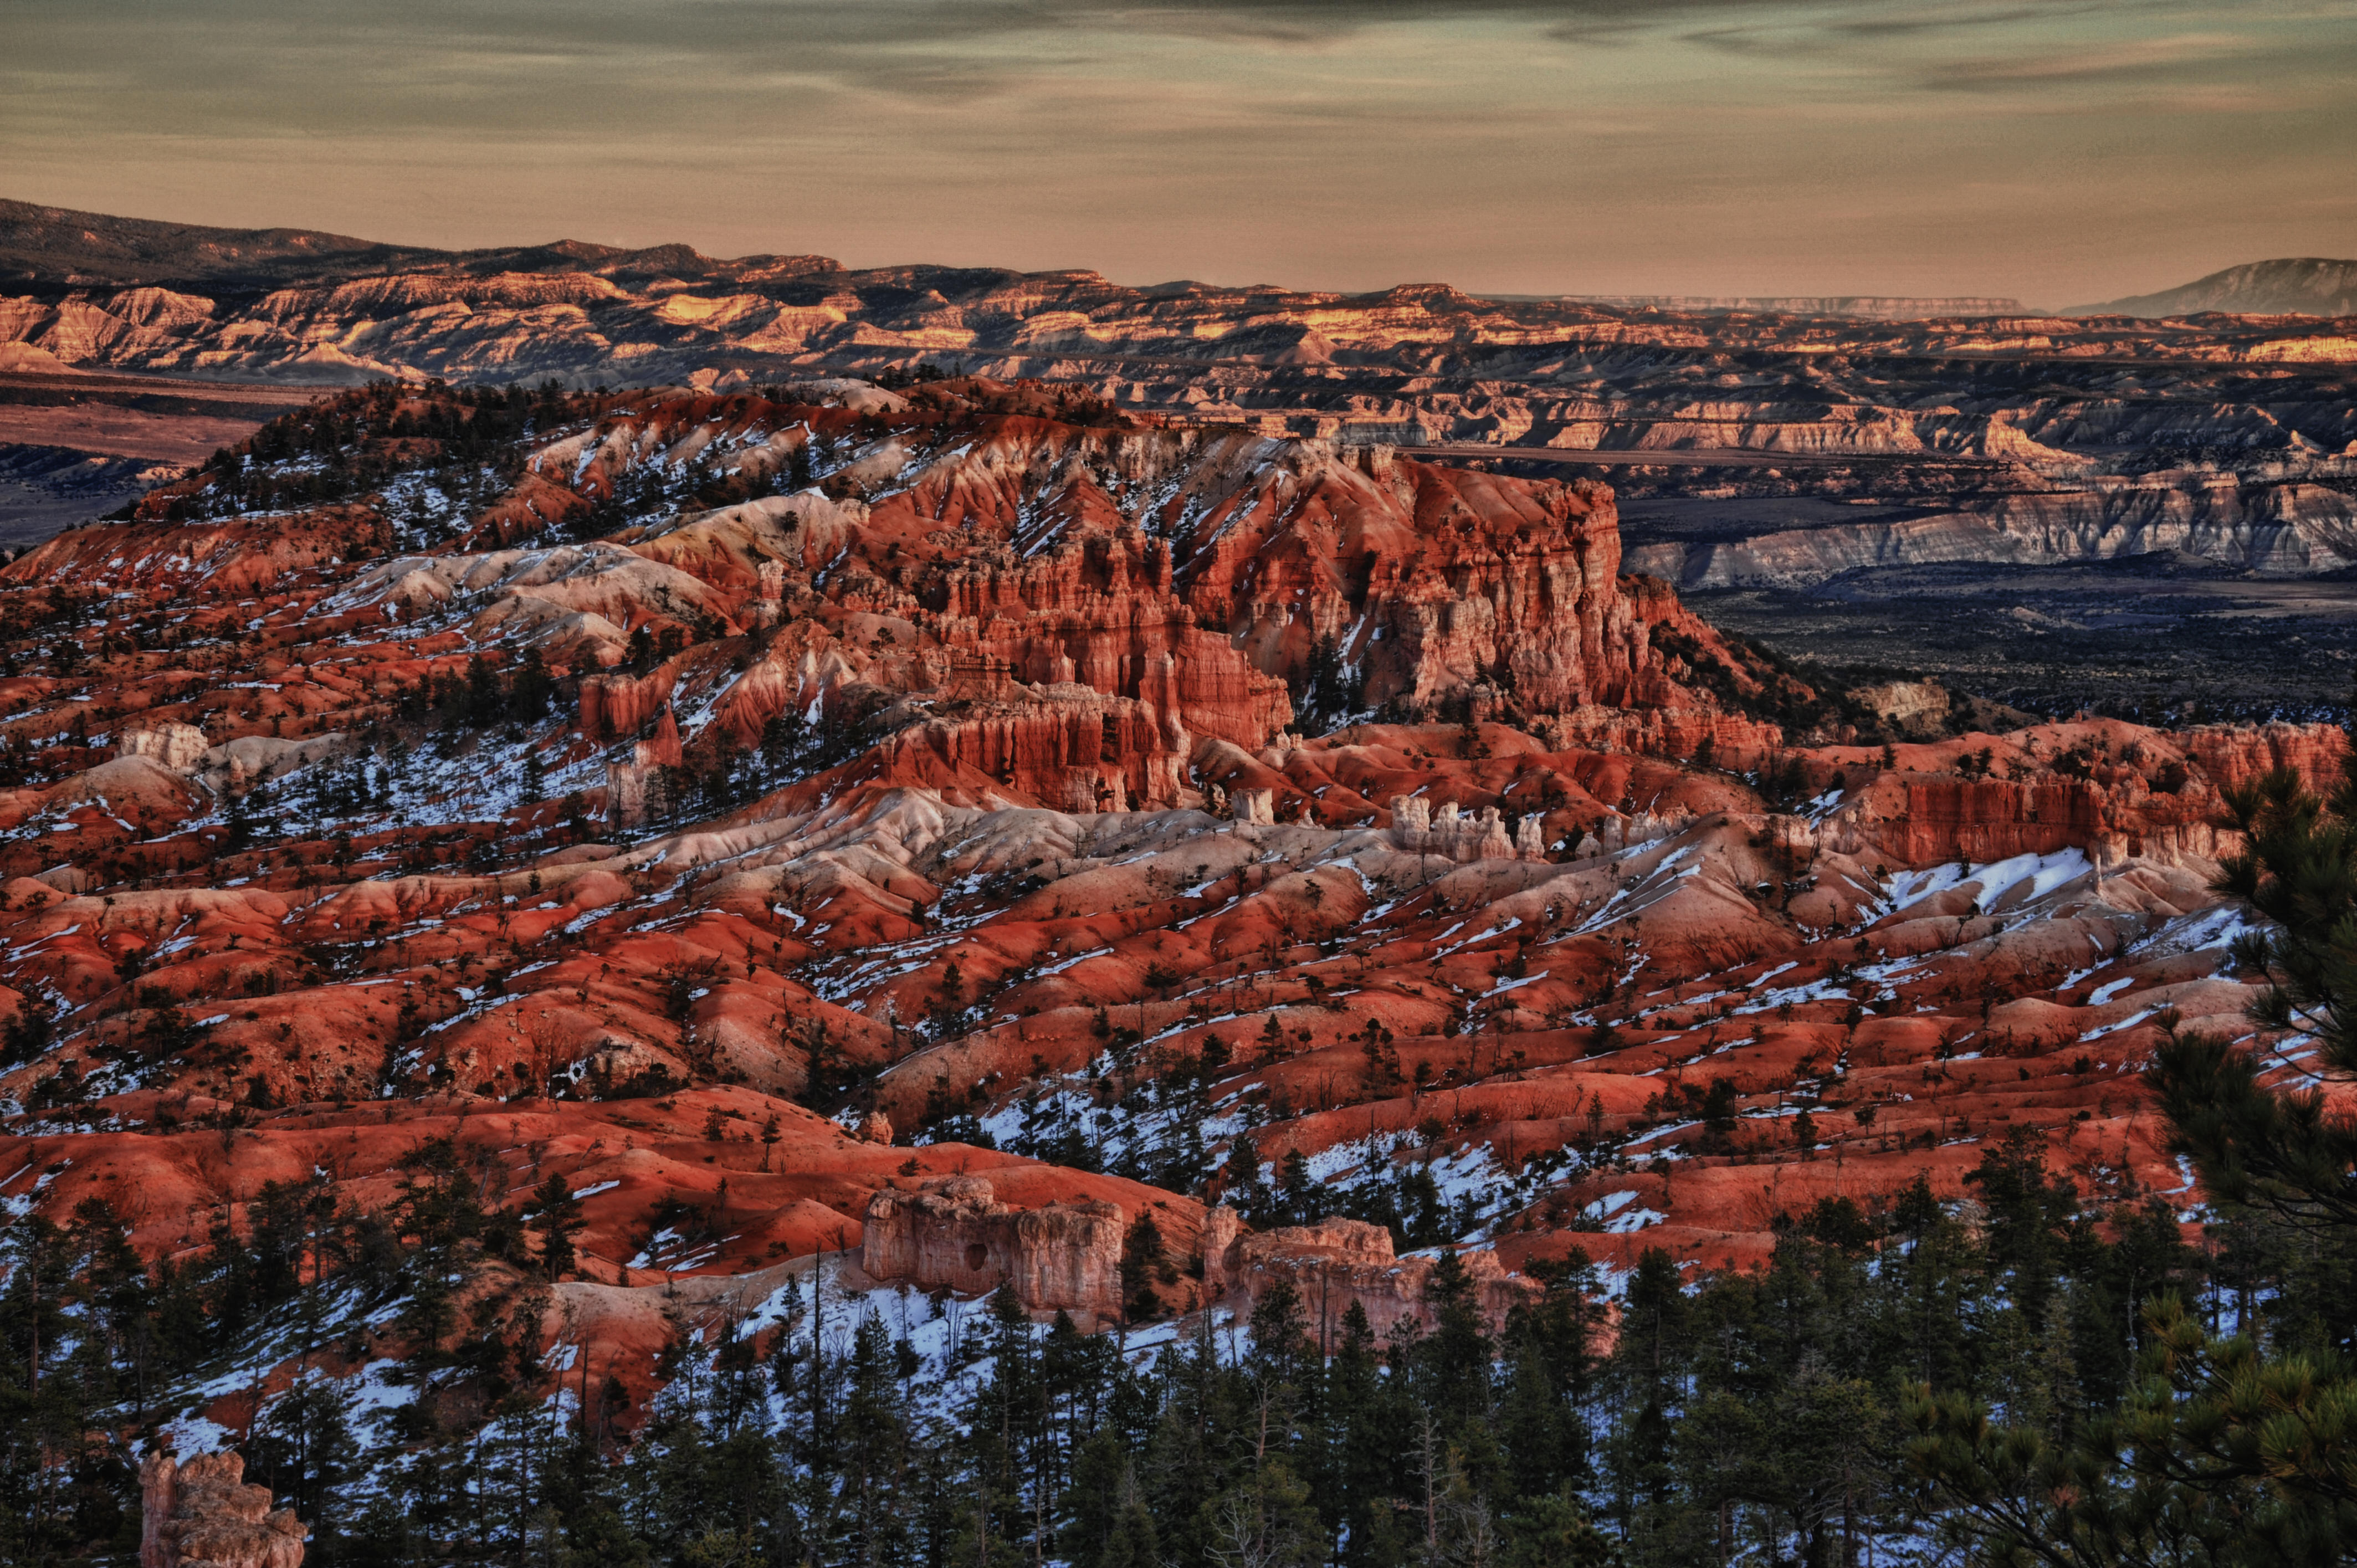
(1263, 1520)
(303, 1449)
(483, 700)
(784, 737)
(875, 1452)
(1144, 1260)
(1365, 1416)
(1550, 1363)
(1453, 1362)
(1303, 1194)
(557, 1216)
(532, 688)
(1555, 1531)
(1109, 1527)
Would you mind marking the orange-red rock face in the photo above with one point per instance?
(954, 1235)
(2116, 789)
(204, 1515)
(2233, 445)
(1336, 1265)
(1430, 580)
(321, 844)
(1071, 608)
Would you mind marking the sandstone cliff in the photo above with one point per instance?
(1336, 1265)
(953, 1234)
(200, 1514)
(2009, 431)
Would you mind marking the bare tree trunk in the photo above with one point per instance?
(1431, 1495)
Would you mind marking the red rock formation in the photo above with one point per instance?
(1031, 564)
(200, 1514)
(1729, 740)
(1102, 616)
(1339, 1263)
(952, 1233)
(2233, 753)
(1080, 753)
(615, 707)
(661, 749)
(631, 787)
(2161, 804)
(1232, 355)
(784, 1181)
(1431, 580)
(1030, 635)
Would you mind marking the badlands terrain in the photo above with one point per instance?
(557, 803)
(921, 832)
(1823, 475)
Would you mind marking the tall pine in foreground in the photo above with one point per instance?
(2236, 1443)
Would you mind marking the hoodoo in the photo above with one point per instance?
(202, 1514)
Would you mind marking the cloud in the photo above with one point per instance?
(2131, 59)
(1529, 145)
(1903, 19)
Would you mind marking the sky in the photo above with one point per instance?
(2058, 153)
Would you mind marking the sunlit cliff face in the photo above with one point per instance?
(2056, 153)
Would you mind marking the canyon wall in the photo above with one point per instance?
(2283, 529)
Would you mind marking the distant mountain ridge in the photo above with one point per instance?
(1867, 306)
(2304, 286)
(296, 306)
(60, 246)
(48, 249)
